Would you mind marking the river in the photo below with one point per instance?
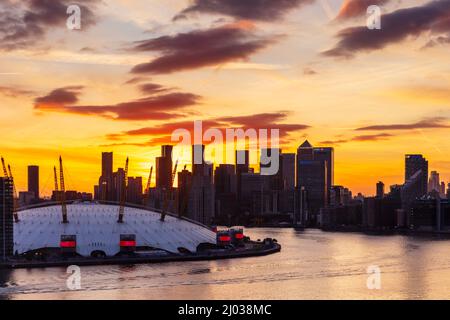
(312, 265)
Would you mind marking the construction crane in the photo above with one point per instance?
(5, 173)
(63, 192)
(123, 194)
(169, 193)
(147, 190)
(16, 216)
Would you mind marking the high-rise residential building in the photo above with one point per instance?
(288, 165)
(198, 159)
(417, 163)
(118, 184)
(184, 188)
(271, 165)
(434, 183)
(442, 190)
(105, 183)
(225, 193)
(326, 154)
(242, 159)
(134, 190)
(312, 177)
(380, 189)
(201, 194)
(164, 168)
(33, 180)
(6, 218)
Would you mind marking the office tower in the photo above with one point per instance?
(184, 188)
(271, 165)
(225, 179)
(164, 168)
(380, 189)
(33, 180)
(6, 218)
(326, 154)
(202, 196)
(312, 176)
(134, 190)
(433, 182)
(198, 159)
(417, 163)
(288, 165)
(256, 194)
(118, 184)
(105, 183)
(225, 193)
(242, 158)
(442, 189)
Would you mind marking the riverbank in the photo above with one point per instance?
(251, 249)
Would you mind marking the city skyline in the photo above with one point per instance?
(112, 87)
(107, 162)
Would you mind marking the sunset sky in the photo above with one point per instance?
(138, 69)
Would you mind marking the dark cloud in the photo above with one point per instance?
(162, 133)
(11, 91)
(432, 123)
(309, 72)
(360, 138)
(201, 48)
(355, 8)
(25, 23)
(264, 10)
(152, 88)
(395, 27)
(157, 107)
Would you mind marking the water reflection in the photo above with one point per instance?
(311, 265)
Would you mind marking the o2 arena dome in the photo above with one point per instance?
(93, 228)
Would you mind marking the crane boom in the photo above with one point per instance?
(169, 193)
(16, 216)
(63, 191)
(123, 194)
(5, 173)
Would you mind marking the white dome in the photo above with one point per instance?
(96, 228)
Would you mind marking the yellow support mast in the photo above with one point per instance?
(63, 192)
(123, 194)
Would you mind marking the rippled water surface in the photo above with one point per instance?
(311, 265)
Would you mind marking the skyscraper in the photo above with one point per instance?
(198, 159)
(242, 161)
(434, 183)
(6, 218)
(288, 165)
(326, 154)
(312, 176)
(413, 164)
(164, 168)
(33, 180)
(380, 189)
(134, 190)
(106, 190)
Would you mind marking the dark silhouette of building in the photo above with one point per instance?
(271, 165)
(448, 191)
(242, 158)
(105, 183)
(225, 184)
(326, 154)
(312, 175)
(380, 189)
(184, 188)
(430, 213)
(33, 181)
(198, 160)
(118, 184)
(288, 165)
(134, 190)
(6, 218)
(164, 168)
(413, 164)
